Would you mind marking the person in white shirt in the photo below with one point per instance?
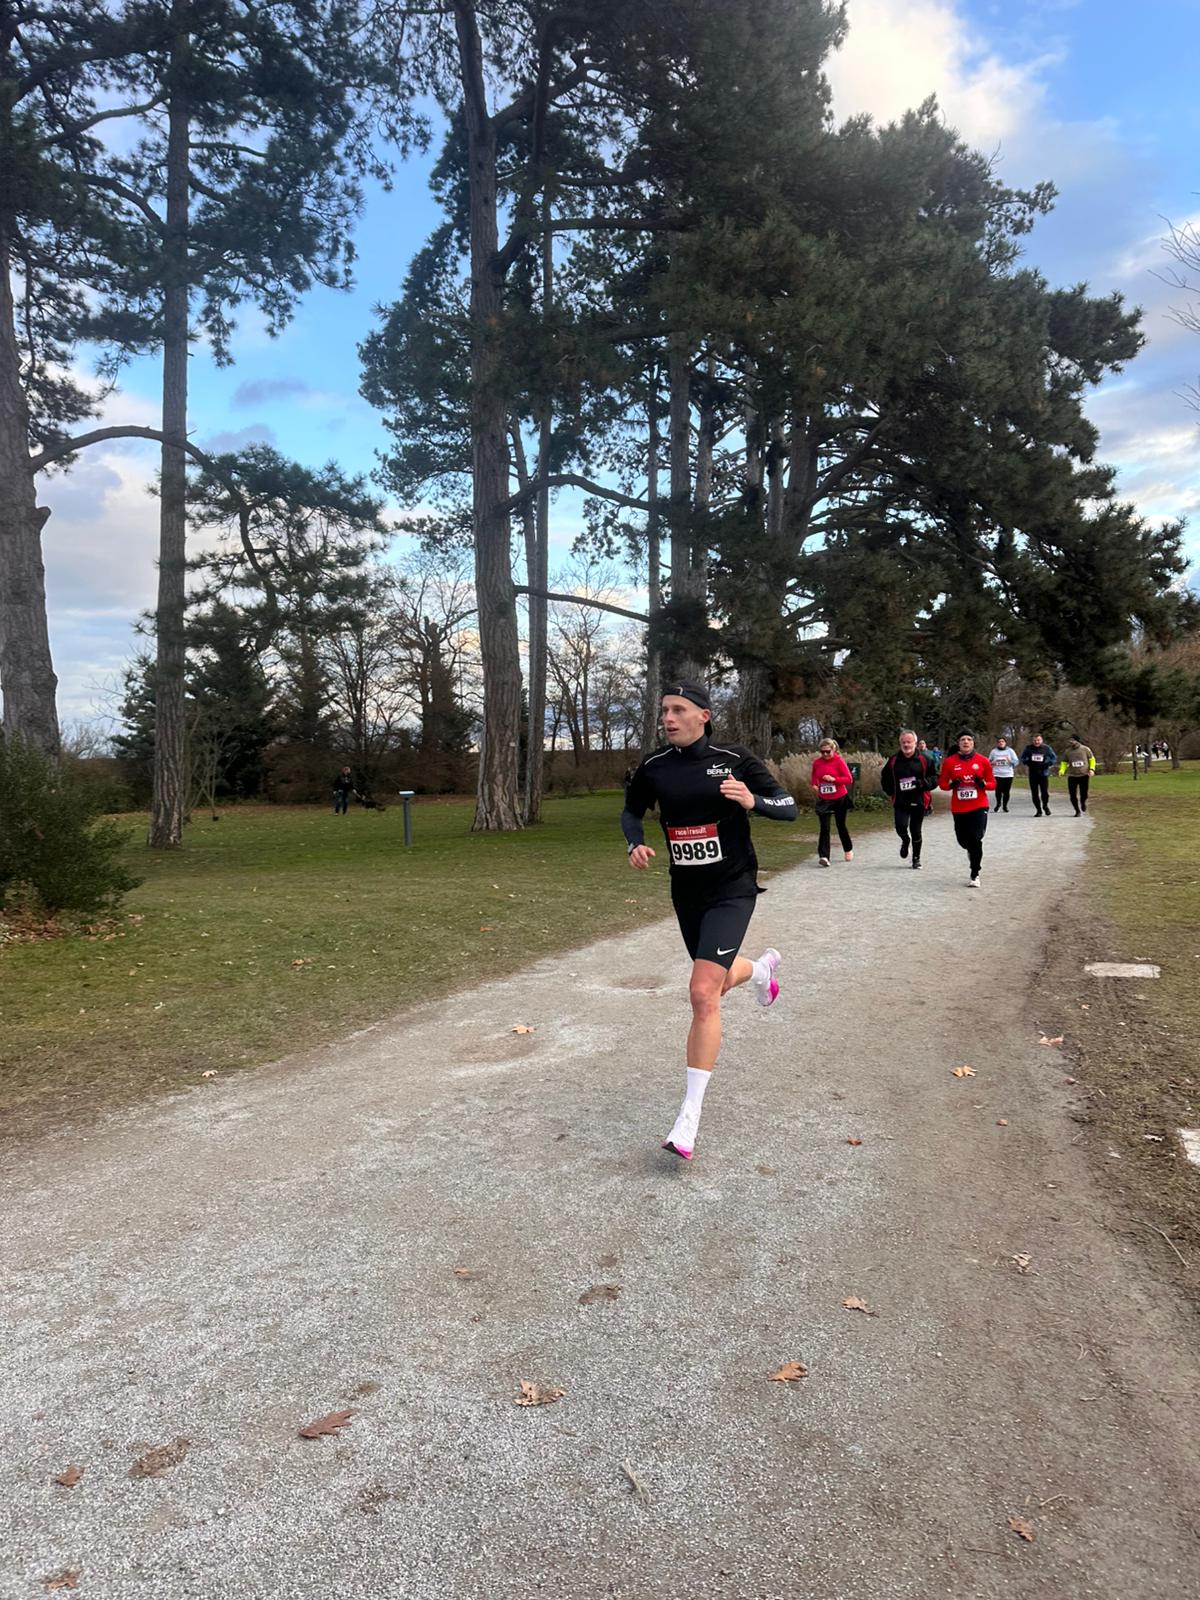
(1004, 764)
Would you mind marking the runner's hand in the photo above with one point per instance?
(732, 789)
(639, 856)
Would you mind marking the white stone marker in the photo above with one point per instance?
(1190, 1139)
(1123, 969)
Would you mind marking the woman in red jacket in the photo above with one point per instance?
(831, 781)
(968, 776)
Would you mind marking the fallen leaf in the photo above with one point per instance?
(640, 1492)
(1022, 1529)
(67, 1579)
(1070, 1080)
(607, 1261)
(790, 1372)
(1002, 1122)
(521, 1027)
(1021, 1262)
(304, 961)
(161, 1459)
(853, 1303)
(599, 1291)
(1058, 1039)
(333, 1423)
(486, 928)
(1154, 1138)
(466, 1274)
(536, 1394)
(854, 1141)
(765, 1172)
(963, 1072)
(211, 1073)
(69, 1477)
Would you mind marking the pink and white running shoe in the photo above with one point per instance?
(682, 1137)
(767, 993)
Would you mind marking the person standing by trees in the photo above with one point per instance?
(968, 776)
(831, 782)
(908, 777)
(1079, 763)
(705, 794)
(1004, 764)
(1037, 758)
(343, 788)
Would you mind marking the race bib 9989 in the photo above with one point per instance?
(696, 846)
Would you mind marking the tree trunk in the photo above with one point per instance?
(654, 587)
(496, 806)
(26, 668)
(681, 661)
(169, 804)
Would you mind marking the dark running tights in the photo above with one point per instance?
(840, 808)
(1003, 790)
(909, 822)
(1077, 788)
(1039, 788)
(969, 829)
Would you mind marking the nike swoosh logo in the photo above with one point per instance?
(728, 952)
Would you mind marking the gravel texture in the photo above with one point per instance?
(231, 1264)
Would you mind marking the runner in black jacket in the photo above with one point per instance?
(704, 791)
(908, 777)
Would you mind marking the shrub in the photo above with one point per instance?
(53, 838)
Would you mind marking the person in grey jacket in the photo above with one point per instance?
(1004, 764)
(1038, 758)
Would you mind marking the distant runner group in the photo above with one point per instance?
(705, 793)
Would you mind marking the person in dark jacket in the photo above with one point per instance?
(343, 788)
(908, 777)
(1037, 758)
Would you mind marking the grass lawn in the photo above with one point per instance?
(1140, 1039)
(278, 928)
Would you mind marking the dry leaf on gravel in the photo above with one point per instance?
(333, 1423)
(69, 1477)
(67, 1579)
(1022, 1529)
(1058, 1039)
(466, 1274)
(211, 1073)
(599, 1291)
(853, 1303)
(1021, 1262)
(161, 1459)
(537, 1394)
(1002, 1122)
(854, 1141)
(963, 1072)
(522, 1027)
(790, 1372)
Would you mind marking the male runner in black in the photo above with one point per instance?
(908, 777)
(704, 792)
(1037, 758)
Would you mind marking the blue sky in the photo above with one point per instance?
(1097, 96)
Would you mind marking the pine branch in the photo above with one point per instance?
(570, 480)
(581, 600)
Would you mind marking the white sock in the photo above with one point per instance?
(761, 974)
(697, 1083)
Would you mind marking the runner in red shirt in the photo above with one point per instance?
(968, 776)
(831, 783)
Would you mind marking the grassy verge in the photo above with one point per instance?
(1136, 1041)
(280, 928)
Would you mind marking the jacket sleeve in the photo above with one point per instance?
(1091, 763)
(771, 799)
(639, 798)
(943, 775)
(1062, 766)
(887, 778)
(1051, 754)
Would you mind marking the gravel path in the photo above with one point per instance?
(231, 1264)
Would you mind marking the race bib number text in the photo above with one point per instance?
(697, 846)
(908, 783)
(828, 788)
(967, 791)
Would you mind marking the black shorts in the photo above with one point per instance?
(713, 930)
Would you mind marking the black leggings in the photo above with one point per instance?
(969, 829)
(840, 808)
(1039, 788)
(1077, 788)
(909, 821)
(1003, 790)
